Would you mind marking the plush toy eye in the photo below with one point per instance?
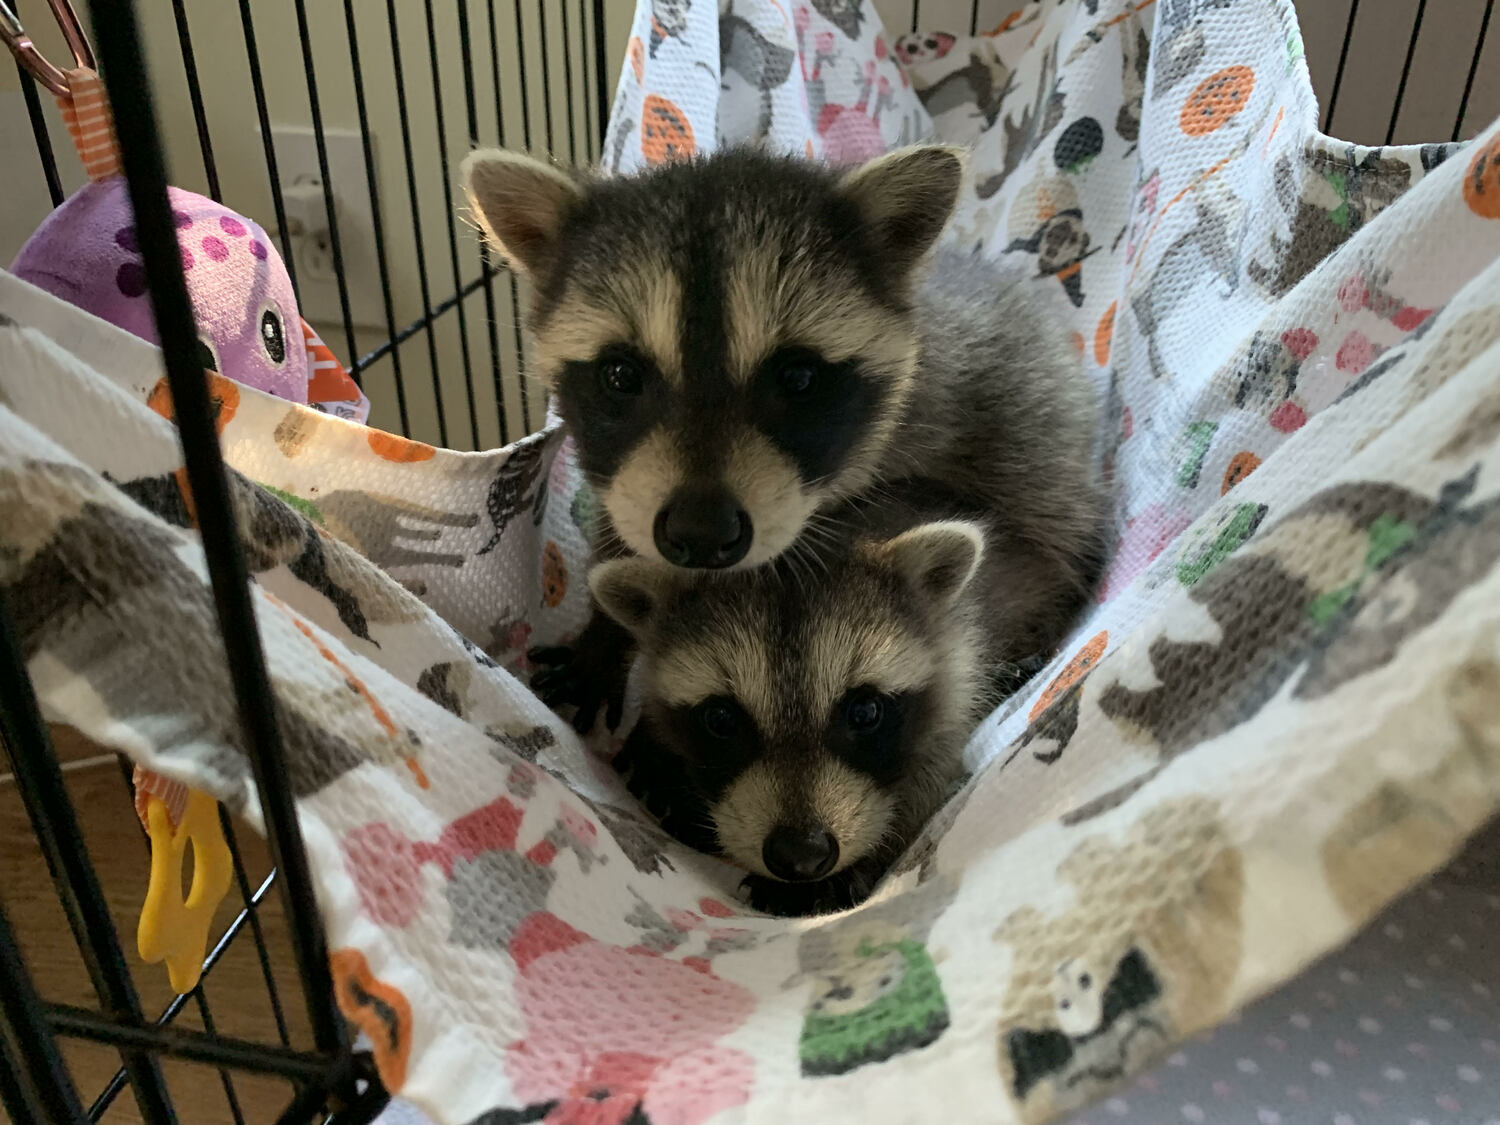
(864, 712)
(208, 359)
(720, 718)
(272, 334)
(620, 376)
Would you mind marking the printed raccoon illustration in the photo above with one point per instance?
(806, 718)
(734, 341)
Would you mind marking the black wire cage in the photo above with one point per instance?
(330, 1079)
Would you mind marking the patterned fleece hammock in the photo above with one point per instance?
(1284, 709)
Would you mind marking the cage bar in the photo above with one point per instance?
(268, 144)
(373, 187)
(335, 244)
(486, 270)
(416, 227)
(195, 97)
(34, 1083)
(590, 151)
(145, 174)
(435, 68)
(541, 17)
(39, 780)
(526, 144)
(515, 293)
(568, 84)
(41, 136)
(601, 72)
(251, 913)
(1463, 101)
(224, 1079)
(1338, 74)
(1411, 50)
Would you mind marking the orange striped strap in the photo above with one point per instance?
(90, 124)
(172, 794)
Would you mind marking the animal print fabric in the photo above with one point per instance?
(1283, 711)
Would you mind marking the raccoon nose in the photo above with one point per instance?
(702, 529)
(799, 855)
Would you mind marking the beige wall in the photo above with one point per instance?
(1381, 34)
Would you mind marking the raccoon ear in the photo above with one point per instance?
(907, 197)
(520, 201)
(630, 591)
(937, 559)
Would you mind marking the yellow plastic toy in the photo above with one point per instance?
(175, 929)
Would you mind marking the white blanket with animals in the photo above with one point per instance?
(1283, 710)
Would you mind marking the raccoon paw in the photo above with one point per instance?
(840, 891)
(591, 671)
(569, 676)
(656, 779)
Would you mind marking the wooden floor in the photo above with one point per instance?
(236, 989)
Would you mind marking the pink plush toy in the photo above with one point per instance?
(85, 253)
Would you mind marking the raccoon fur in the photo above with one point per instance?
(740, 341)
(805, 719)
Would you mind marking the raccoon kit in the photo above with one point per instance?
(804, 719)
(739, 342)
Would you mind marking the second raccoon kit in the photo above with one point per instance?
(740, 342)
(804, 719)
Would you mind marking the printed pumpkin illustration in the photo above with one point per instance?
(637, 55)
(1241, 465)
(554, 576)
(1081, 665)
(665, 132)
(223, 399)
(1216, 99)
(376, 1008)
(1482, 181)
(1104, 335)
(392, 447)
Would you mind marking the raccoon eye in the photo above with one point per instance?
(720, 718)
(795, 376)
(864, 712)
(620, 376)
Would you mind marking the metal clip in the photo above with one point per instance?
(20, 44)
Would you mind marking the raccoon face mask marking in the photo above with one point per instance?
(729, 340)
(819, 721)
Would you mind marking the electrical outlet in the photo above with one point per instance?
(308, 225)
